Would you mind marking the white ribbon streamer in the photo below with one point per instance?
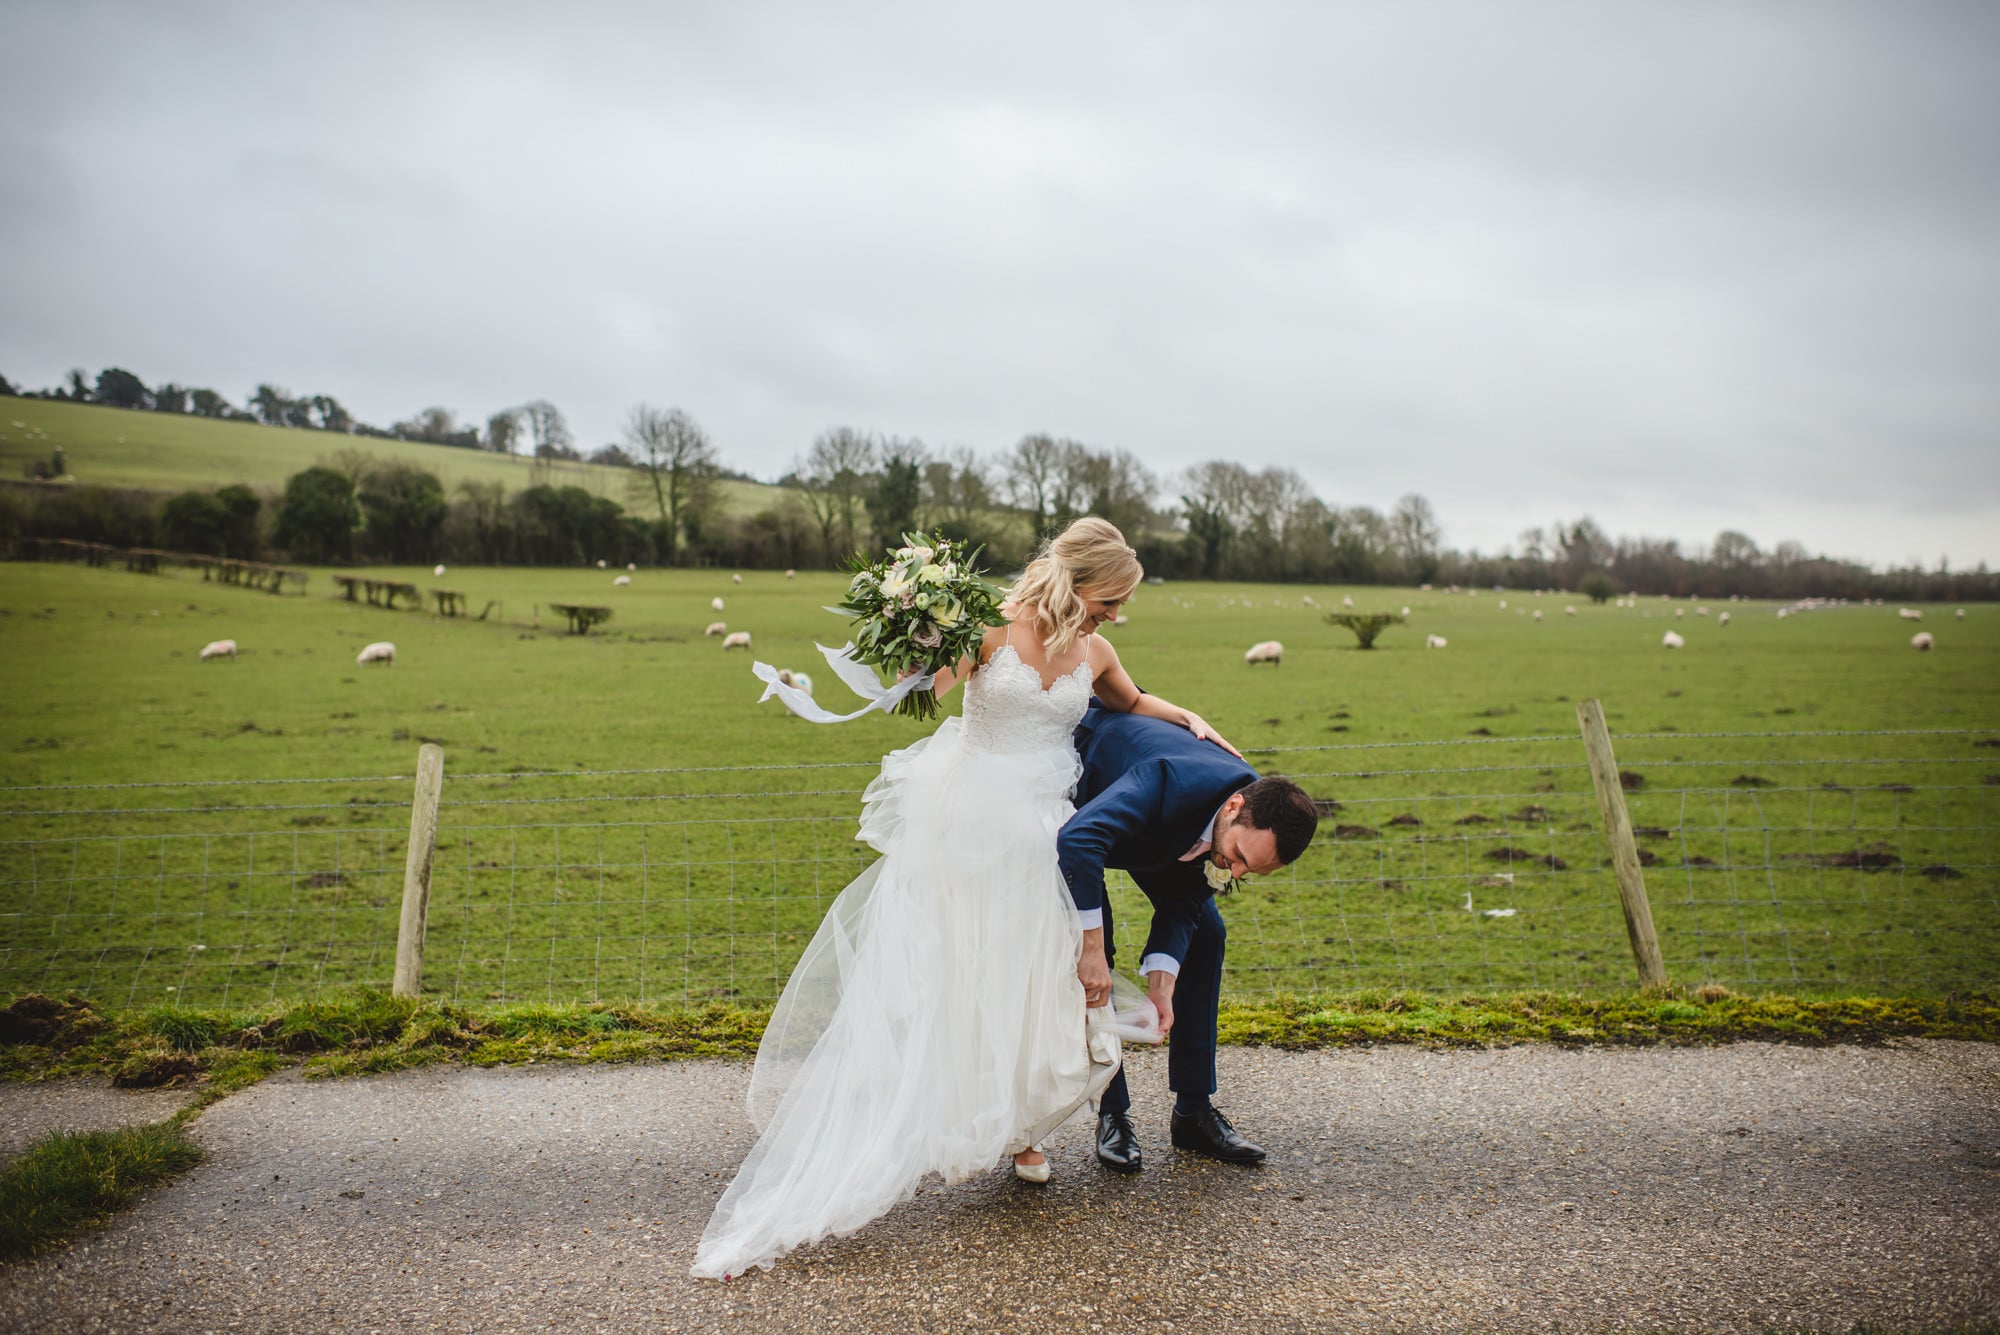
(859, 678)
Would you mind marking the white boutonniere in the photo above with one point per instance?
(1220, 879)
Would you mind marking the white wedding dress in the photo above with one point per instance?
(935, 1023)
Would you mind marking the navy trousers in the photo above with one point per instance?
(1197, 994)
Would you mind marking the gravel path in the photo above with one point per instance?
(1736, 1188)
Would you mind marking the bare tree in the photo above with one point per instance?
(549, 430)
(835, 478)
(1033, 473)
(675, 463)
(503, 431)
(1415, 532)
(957, 491)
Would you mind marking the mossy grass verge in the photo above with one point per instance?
(70, 1181)
(363, 1031)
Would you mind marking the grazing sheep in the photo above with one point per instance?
(717, 628)
(1434, 641)
(1910, 614)
(1671, 641)
(736, 639)
(1722, 620)
(1347, 602)
(1406, 611)
(1538, 614)
(1921, 641)
(791, 574)
(798, 681)
(1569, 610)
(1701, 611)
(600, 563)
(1503, 604)
(438, 571)
(715, 604)
(1120, 619)
(379, 652)
(1268, 651)
(621, 581)
(736, 579)
(218, 649)
(631, 565)
(1679, 612)
(1961, 614)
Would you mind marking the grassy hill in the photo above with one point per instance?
(114, 447)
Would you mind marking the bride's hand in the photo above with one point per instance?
(1198, 725)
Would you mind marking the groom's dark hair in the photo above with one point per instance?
(1286, 810)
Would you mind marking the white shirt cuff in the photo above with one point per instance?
(1092, 919)
(1159, 964)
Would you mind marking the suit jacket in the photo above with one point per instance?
(1148, 791)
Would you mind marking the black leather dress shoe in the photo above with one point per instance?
(1117, 1145)
(1210, 1133)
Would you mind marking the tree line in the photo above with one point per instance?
(857, 490)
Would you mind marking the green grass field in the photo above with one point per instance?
(113, 447)
(603, 838)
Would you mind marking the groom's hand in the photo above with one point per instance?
(1093, 970)
(1160, 991)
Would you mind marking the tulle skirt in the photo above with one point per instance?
(935, 1023)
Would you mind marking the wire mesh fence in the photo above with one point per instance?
(1811, 861)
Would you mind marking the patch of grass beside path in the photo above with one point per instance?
(73, 1180)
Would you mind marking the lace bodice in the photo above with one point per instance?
(1006, 708)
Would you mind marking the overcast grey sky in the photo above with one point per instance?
(1680, 266)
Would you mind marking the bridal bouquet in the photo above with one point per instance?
(920, 608)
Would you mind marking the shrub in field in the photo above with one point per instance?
(317, 518)
(403, 507)
(1597, 587)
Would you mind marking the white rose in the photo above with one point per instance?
(933, 575)
(894, 584)
(923, 554)
(1219, 879)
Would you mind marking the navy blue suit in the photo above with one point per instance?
(1148, 791)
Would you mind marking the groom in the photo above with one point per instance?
(1185, 818)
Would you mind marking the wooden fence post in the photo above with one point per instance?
(417, 871)
(1624, 851)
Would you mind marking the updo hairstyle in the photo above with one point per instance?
(1090, 554)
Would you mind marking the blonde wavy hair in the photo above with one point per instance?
(1090, 554)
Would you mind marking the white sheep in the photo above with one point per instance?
(1910, 614)
(631, 565)
(736, 579)
(1406, 611)
(798, 681)
(218, 649)
(1120, 619)
(1921, 641)
(1266, 651)
(791, 574)
(600, 563)
(1679, 612)
(717, 628)
(1701, 611)
(1961, 614)
(715, 604)
(438, 570)
(736, 639)
(621, 581)
(1434, 641)
(1503, 604)
(1347, 601)
(1538, 614)
(1722, 620)
(1671, 641)
(379, 652)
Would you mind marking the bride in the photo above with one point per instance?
(936, 1021)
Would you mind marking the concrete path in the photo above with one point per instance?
(1738, 1188)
